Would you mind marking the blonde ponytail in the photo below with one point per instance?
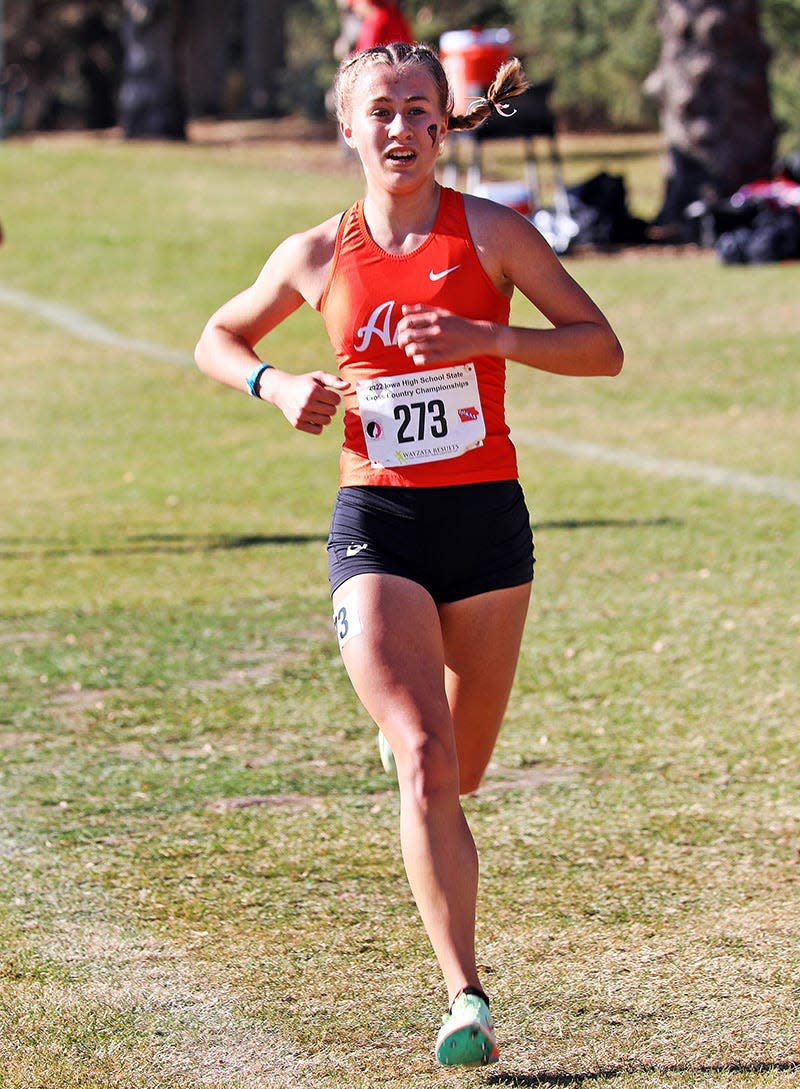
(509, 82)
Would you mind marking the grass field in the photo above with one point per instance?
(200, 884)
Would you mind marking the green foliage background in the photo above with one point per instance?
(598, 51)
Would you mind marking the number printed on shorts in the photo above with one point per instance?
(431, 413)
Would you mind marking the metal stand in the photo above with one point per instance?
(532, 120)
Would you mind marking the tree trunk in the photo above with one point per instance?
(713, 94)
(264, 54)
(151, 101)
(209, 38)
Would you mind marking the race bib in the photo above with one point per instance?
(428, 416)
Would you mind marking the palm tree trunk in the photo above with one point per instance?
(713, 93)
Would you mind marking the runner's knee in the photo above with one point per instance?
(428, 770)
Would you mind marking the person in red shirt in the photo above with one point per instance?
(382, 22)
(430, 548)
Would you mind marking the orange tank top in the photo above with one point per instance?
(361, 306)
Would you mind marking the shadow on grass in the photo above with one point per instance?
(607, 523)
(16, 548)
(20, 547)
(546, 1080)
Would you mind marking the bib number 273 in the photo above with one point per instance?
(421, 416)
(420, 419)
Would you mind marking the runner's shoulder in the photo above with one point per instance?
(501, 236)
(488, 217)
(313, 247)
(303, 260)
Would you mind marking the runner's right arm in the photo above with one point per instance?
(226, 351)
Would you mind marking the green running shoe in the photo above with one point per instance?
(467, 1037)
(387, 756)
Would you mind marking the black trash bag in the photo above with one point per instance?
(774, 235)
(599, 206)
(731, 246)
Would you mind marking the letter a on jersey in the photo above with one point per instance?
(377, 327)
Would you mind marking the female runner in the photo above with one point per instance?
(430, 550)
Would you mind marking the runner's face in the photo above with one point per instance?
(397, 126)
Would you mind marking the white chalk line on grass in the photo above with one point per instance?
(775, 486)
(80, 325)
(788, 491)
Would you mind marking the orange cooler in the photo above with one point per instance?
(471, 59)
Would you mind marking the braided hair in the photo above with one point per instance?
(508, 82)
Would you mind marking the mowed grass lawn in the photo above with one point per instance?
(200, 879)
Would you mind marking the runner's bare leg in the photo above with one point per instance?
(397, 666)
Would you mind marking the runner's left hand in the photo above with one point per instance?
(428, 334)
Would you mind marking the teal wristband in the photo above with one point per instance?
(255, 378)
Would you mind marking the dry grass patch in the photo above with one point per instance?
(139, 1012)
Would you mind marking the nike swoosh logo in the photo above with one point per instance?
(354, 549)
(440, 275)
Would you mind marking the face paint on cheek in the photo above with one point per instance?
(432, 133)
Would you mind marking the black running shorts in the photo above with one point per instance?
(455, 541)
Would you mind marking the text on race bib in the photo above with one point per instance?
(414, 418)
